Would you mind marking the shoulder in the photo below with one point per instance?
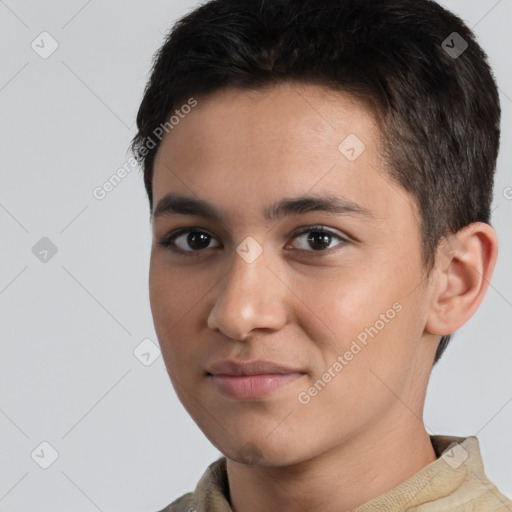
(487, 500)
(210, 491)
(473, 491)
(182, 504)
(484, 496)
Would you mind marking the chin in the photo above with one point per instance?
(262, 453)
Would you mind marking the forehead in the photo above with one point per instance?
(258, 146)
(288, 117)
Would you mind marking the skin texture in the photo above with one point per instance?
(362, 434)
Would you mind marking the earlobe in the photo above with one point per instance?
(464, 266)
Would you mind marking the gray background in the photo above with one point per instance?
(70, 324)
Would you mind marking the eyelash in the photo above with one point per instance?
(167, 241)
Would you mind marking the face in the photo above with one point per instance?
(306, 262)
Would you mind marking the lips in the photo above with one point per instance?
(251, 379)
(257, 367)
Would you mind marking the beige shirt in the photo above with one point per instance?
(455, 482)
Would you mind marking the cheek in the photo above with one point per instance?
(180, 311)
(172, 299)
(369, 313)
(344, 301)
(173, 292)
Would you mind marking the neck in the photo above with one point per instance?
(347, 476)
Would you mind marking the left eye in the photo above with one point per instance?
(318, 238)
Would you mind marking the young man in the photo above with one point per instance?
(320, 176)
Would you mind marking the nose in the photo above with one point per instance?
(250, 297)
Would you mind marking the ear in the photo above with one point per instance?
(464, 266)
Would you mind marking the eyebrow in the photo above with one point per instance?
(173, 204)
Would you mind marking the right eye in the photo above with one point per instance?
(187, 240)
